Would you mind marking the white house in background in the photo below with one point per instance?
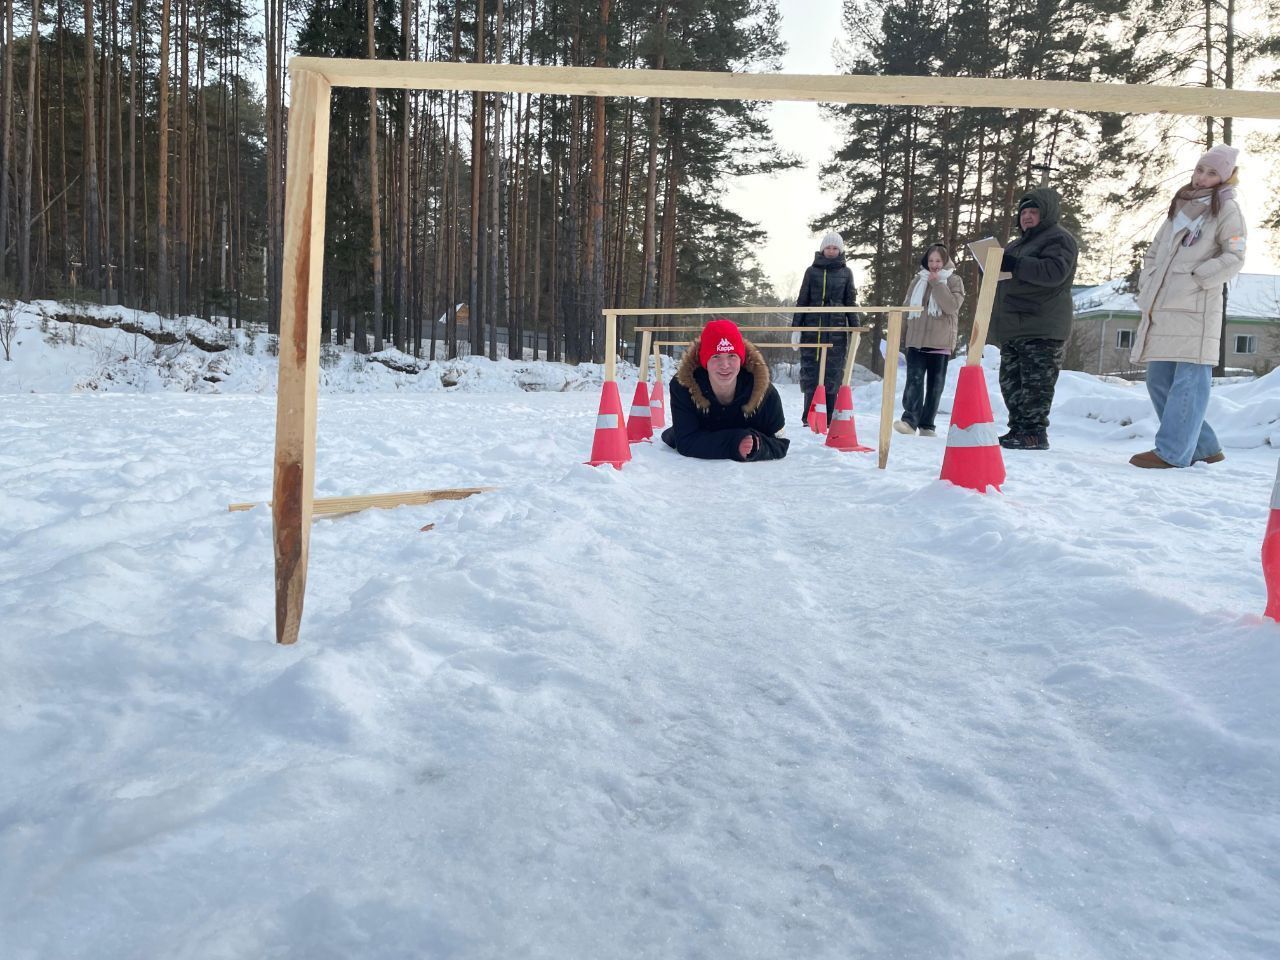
(1107, 321)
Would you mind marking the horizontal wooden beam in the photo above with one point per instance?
(703, 311)
(764, 346)
(708, 85)
(328, 506)
(760, 329)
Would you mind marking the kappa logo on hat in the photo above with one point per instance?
(724, 346)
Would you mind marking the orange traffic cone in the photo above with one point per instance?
(1271, 553)
(610, 442)
(639, 424)
(844, 434)
(818, 415)
(973, 457)
(657, 407)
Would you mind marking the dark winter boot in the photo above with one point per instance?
(1026, 441)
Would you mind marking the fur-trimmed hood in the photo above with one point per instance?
(753, 365)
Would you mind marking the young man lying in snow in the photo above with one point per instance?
(723, 406)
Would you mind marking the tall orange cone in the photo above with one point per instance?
(639, 424)
(818, 415)
(1271, 553)
(657, 407)
(973, 457)
(844, 434)
(610, 442)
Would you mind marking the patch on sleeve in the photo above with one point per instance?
(1236, 245)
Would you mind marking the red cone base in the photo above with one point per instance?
(973, 457)
(639, 426)
(610, 442)
(843, 434)
(818, 414)
(657, 407)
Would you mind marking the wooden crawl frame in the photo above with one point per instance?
(312, 78)
(893, 342)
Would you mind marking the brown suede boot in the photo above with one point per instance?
(1150, 460)
(1211, 458)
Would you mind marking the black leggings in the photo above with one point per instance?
(920, 401)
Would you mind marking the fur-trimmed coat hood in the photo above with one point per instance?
(754, 365)
(703, 427)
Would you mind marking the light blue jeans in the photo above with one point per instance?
(1180, 393)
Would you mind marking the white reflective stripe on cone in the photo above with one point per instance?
(974, 435)
(607, 421)
(819, 408)
(655, 402)
(842, 415)
(639, 411)
(1275, 491)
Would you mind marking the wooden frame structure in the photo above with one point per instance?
(311, 79)
(893, 339)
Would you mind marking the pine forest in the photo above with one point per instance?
(143, 149)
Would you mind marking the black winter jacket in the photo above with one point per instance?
(702, 427)
(1036, 302)
(828, 283)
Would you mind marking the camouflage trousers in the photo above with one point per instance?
(1028, 374)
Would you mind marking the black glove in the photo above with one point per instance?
(1007, 263)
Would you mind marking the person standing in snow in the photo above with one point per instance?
(1032, 317)
(723, 405)
(937, 291)
(827, 283)
(1198, 248)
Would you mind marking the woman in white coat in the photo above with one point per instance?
(1199, 247)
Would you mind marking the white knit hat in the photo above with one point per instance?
(832, 239)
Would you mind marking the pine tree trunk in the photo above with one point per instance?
(406, 258)
(667, 266)
(117, 115)
(6, 135)
(535, 303)
(375, 207)
(596, 210)
(477, 191)
(162, 175)
(28, 151)
(92, 208)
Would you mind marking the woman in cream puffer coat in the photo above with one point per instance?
(1199, 247)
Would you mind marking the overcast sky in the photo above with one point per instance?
(784, 204)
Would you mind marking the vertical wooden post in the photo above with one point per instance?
(986, 300)
(822, 368)
(888, 384)
(848, 360)
(610, 345)
(294, 485)
(657, 362)
(645, 340)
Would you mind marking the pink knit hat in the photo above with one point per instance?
(1221, 159)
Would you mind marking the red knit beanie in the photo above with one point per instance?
(720, 336)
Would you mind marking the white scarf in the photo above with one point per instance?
(918, 291)
(1181, 220)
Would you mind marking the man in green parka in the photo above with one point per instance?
(1032, 316)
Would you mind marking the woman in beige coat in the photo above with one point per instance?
(930, 338)
(1199, 247)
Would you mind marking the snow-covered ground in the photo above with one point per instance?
(800, 709)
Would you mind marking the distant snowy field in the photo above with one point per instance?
(803, 709)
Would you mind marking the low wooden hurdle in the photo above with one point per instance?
(311, 83)
(893, 340)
